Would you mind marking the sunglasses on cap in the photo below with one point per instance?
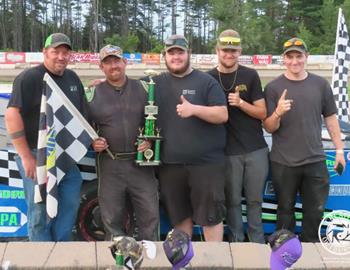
(229, 41)
(296, 42)
(177, 41)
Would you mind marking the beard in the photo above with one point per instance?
(228, 66)
(180, 70)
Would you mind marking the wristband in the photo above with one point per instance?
(18, 134)
(277, 114)
(339, 151)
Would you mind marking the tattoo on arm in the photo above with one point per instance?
(17, 134)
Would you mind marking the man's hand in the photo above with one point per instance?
(96, 82)
(234, 99)
(144, 146)
(284, 105)
(185, 108)
(29, 166)
(339, 158)
(100, 144)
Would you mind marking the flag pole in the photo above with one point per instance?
(336, 47)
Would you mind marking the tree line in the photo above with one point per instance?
(142, 26)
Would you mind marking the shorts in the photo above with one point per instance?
(193, 191)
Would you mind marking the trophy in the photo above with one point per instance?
(151, 156)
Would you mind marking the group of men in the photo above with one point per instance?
(213, 148)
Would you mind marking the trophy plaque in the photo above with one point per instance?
(151, 156)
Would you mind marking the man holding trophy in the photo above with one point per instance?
(116, 108)
(192, 110)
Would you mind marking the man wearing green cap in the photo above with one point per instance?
(296, 102)
(22, 123)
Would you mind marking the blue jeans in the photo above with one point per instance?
(60, 227)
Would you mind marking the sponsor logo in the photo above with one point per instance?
(188, 92)
(334, 232)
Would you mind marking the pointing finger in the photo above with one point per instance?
(283, 96)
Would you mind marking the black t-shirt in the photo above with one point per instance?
(298, 141)
(189, 140)
(244, 133)
(27, 91)
(118, 113)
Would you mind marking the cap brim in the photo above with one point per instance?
(230, 46)
(116, 55)
(186, 259)
(56, 44)
(275, 262)
(175, 46)
(294, 48)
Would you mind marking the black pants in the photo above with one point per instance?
(312, 182)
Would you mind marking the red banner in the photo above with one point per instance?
(15, 57)
(84, 58)
(151, 59)
(262, 59)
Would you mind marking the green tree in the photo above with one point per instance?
(128, 44)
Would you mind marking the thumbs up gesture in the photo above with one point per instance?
(284, 104)
(234, 99)
(185, 108)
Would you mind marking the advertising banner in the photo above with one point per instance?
(262, 59)
(133, 58)
(2, 58)
(151, 59)
(245, 60)
(34, 58)
(207, 59)
(277, 60)
(15, 57)
(84, 58)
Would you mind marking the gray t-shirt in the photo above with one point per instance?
(298, 139)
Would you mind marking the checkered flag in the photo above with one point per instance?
(341, 68)
(64, 138)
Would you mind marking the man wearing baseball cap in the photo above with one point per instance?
(192, 110)
(22, 123)
(116, 107)
(246, 150)
(296, 102)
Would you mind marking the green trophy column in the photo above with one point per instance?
(151, 92)
(157, 150)
(139, 157)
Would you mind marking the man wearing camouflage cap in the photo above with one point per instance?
(116, 107)
(22, 120)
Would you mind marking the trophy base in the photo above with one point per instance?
(148, 163)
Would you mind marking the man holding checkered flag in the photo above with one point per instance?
(22, 123)
(64, 138)
(341, 68)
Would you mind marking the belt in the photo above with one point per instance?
(124, 155)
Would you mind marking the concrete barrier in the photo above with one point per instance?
(91, 255)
